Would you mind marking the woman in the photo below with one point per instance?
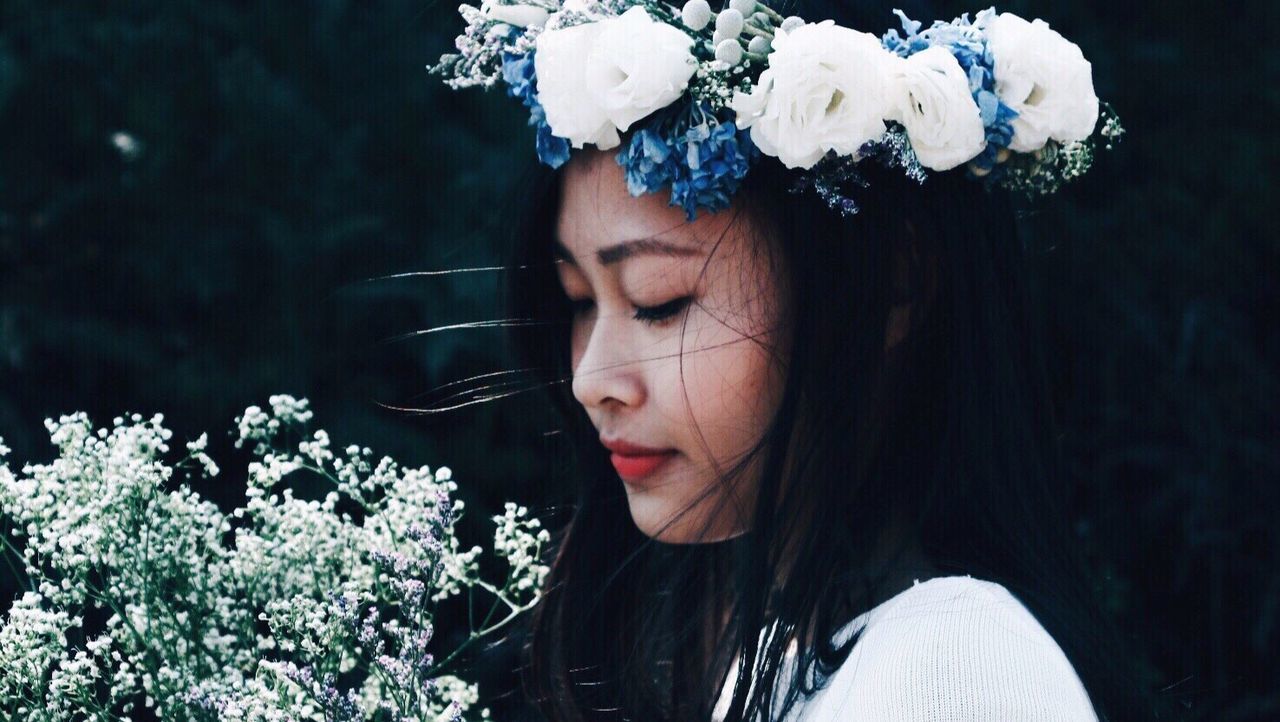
(851, 405)
(817, 469)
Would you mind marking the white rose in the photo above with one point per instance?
(637, 66)
(934, 104)
(1045, 78)
(521, 16)
(559, 62)
(826, 88)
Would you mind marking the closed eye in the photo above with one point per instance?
(653, 315)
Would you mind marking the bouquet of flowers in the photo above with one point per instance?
(142, 594)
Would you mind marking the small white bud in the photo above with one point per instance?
(126, 144)
(746, 7)
(696, 14)
(759, 44)
(729, 23)
(792, 23)
(729, 51)
(762, 19)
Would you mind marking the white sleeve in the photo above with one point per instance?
(954, 649)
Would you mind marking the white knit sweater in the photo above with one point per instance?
(949, 648)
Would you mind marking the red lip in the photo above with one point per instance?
(633, 461)
(618, 446)
(635, 467)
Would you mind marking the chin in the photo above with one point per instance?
(652, 515)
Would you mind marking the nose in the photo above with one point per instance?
(608, 368)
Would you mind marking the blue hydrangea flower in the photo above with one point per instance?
(648, 161)
(518, 73)
(965, 39)
(703, 158)
(717, 156)
(911, 44)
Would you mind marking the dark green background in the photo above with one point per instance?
(288, 151)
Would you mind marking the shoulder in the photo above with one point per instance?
(953, 648)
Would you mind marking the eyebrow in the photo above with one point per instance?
(610, 255)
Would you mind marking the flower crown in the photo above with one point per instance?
(708, 94)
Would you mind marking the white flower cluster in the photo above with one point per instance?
(517, 540)
(1045, 79)
(830, 88)
(347, 586)
(596, 79)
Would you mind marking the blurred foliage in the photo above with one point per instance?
(194, 196)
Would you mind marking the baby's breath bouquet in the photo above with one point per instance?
(141, 594)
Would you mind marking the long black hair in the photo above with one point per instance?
(952, 432)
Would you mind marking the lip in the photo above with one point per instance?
(637, 467)
(633, 461)
(626, 448)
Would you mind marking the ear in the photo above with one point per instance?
(914, 285)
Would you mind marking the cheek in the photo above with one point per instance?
(733, 384)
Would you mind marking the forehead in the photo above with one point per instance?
(600, 222)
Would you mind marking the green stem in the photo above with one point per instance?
(431, 673)
(499, 593)
(147, 651)
(761, 7)
(368, 509)
(515, 612)
(471, 621)
(22, 573)
(474, 635)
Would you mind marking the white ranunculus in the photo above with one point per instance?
(1045, 78)
(521, 16)
(934, 104)
(559, 63)
(637, 65)
(826, 88)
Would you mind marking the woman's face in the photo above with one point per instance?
(676, 346)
